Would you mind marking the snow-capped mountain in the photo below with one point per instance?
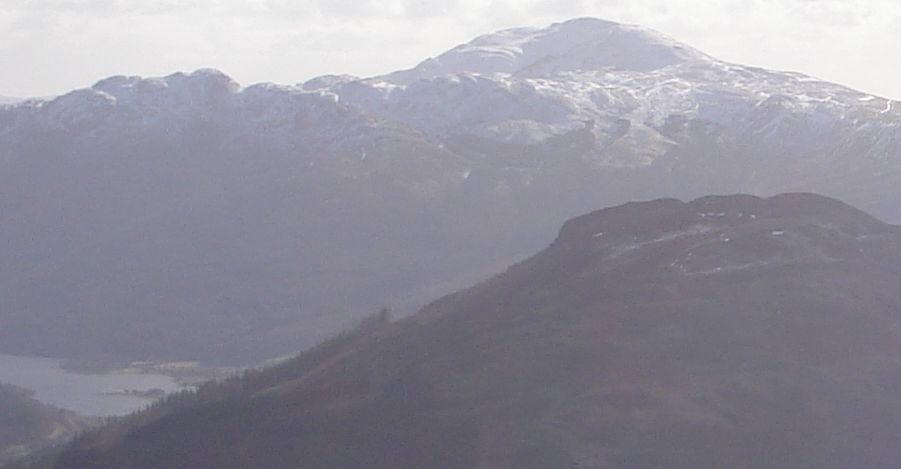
(255, 220)
(525, 85)
(577, 45)
(249, 221)
(649, 104)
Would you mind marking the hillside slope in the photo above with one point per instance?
(27, 426)
(725, 332)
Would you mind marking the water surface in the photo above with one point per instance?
(99, 395)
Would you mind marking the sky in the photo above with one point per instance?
(49, 47)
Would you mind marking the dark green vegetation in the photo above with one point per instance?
(727, 332)
(26, 425)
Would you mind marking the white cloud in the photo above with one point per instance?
(50, 46)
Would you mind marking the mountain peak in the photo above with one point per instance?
(203, 81)
(577, 45)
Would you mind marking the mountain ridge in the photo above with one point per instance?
(271, 216)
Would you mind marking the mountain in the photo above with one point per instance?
(692, 124)
(730, 331)
(27, 426)
(582, 44)
(190, 217)
(9, 100)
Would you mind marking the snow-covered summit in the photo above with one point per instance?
(585, 44)
(327, 81)
(204, 87)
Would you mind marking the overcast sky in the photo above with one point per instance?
(51, 46)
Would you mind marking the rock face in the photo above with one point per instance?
(725, 332)
(188, 217)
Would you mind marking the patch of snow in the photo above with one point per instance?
(695, 230)
(732, 268)
(581, 44)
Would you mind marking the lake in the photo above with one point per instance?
(97, 395)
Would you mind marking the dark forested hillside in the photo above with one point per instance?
(26, 425)
(725, 332)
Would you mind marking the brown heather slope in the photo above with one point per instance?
(726, 332)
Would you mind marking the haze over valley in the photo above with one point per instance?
(160, 231)
(191, 218)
